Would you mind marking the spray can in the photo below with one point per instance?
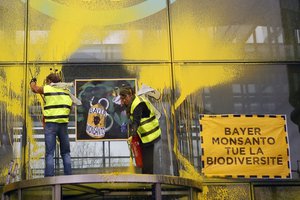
(137, 151)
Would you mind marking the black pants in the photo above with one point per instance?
(148, 156)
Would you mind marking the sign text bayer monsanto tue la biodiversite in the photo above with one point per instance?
(249, 146)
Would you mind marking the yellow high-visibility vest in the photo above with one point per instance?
(58, 105)
(149, 128)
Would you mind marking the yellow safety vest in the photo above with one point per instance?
(58, 104)
(149, 128)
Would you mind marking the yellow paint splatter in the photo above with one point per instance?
(146, 45)
(63, 39)
(158, 77)
(11, 102)
(59, 45)
(220, 192)
(197, 37)
(12, 35)
(190, 79)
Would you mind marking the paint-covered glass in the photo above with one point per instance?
(235, 30)
(235, 89)
(93, 83)
(11, 120)
(226, 191)
(98, 31)
(12, 30)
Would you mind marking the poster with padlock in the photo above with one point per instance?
(101, 115)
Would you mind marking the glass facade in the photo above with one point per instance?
(205, 57)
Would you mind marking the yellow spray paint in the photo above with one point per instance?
(11, 101)
(60, 49)
(146, 45)
(63, 39)
(219, 192)
(197, 37)
(190, 79)
(131, 168)
(11, 32)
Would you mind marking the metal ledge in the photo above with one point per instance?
(104, 178)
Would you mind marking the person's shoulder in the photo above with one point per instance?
(46, 87)
(142, 105)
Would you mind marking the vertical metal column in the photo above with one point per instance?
(56, 192)
(156, 191)
(19, 194)
(173, 171)
(192, 194)
(24, 150)
(103, 154)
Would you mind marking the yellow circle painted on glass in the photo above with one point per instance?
(99, 17)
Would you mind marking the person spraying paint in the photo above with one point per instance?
(143, 124)
(56, 112)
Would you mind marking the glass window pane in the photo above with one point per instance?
(238, 89)
(98, 155)
(276, 192)
(101, 31)
(235, 30)
(12, 34)
(11, 119)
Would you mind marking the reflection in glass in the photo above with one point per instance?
(230, 30)
(235, 89)
(104, 32)
(276, 192)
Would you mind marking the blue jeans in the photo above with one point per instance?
(51, 131)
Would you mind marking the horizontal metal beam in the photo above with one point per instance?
(104, 178)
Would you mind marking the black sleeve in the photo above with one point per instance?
(141, 111)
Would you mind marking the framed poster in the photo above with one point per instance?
(101, 116)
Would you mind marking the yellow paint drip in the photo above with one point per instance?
(131, 168)
(189, 170)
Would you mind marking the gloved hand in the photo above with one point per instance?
(133, 131)
(33, 80)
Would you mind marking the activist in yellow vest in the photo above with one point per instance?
(149, 127)
(58, 105)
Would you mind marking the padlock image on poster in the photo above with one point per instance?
(98, 120)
